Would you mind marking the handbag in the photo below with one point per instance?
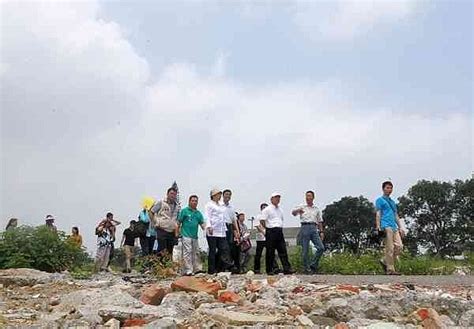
(245, 245)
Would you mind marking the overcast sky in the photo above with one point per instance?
(103, 103)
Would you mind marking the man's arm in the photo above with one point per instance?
(156, 207)
(297, 211)
(123, 241)
(378, 214)
(402, 232)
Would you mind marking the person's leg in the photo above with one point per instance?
(318, 244)
(211, 259)
(244, 260)
(161, 238)
(187, 256)
(144, 245)
(397, 245)
(111, 254)
(389, 260)
(270, 252)
(196, 259)
(170, 240)
(305, 236)
(258, 256)
(99, 256)
(106, 258)
(282, 252)
(224, 253)
(151, 243)
(235, 256)
(128, 257)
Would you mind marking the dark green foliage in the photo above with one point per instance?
(348, 223)
(441, 215)
(39, 248)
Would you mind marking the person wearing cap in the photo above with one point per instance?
(272, 220)
(311, 230)
(50, 223)
(165, 220)
(261, 243)
(216, 233)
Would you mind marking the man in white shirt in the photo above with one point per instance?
(232, 233)
(311, 230)
(272, 220)
(261, 243)
(216, 234)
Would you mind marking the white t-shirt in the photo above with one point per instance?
(229, 213)
(273, 216)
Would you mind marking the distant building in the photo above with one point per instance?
(290, 234)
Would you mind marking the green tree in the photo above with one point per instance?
(464, 198)
(39, 248)
(441, 213)
(348, 223)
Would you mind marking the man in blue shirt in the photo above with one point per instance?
(387, 220)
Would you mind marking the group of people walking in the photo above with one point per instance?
(161, 224)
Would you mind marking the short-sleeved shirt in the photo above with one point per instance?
(259, 235)
(229, 213)
(311, 214)
(388, 210)
(273, 216)
(145, 217)
(190, 220)
(129, 237)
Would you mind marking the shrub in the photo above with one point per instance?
(39, 248)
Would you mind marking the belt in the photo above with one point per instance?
(311, 223)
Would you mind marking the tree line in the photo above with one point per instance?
(439, 218)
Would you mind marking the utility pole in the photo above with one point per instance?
(251, 219)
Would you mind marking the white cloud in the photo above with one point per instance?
(348, 19)
(84, 131)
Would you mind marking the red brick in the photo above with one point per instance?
(192, 284)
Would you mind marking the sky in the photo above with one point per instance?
(105, 102)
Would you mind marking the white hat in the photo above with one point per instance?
(214, 191)
(275, 194)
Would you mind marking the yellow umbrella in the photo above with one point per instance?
(148, 202)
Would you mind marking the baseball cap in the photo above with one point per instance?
(275, 194)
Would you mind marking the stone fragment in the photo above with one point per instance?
(192, 284)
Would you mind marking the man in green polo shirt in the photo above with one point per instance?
(189, 220)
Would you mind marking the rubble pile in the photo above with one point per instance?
(30, 298)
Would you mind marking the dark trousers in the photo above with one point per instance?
(218, 245)
(146, 244)
(111, 255)
(166, 242)
(276, 241)
(258, 256)
(234, 256)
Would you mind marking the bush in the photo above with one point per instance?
(39, 248)
(368, 263)
(157, 266)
